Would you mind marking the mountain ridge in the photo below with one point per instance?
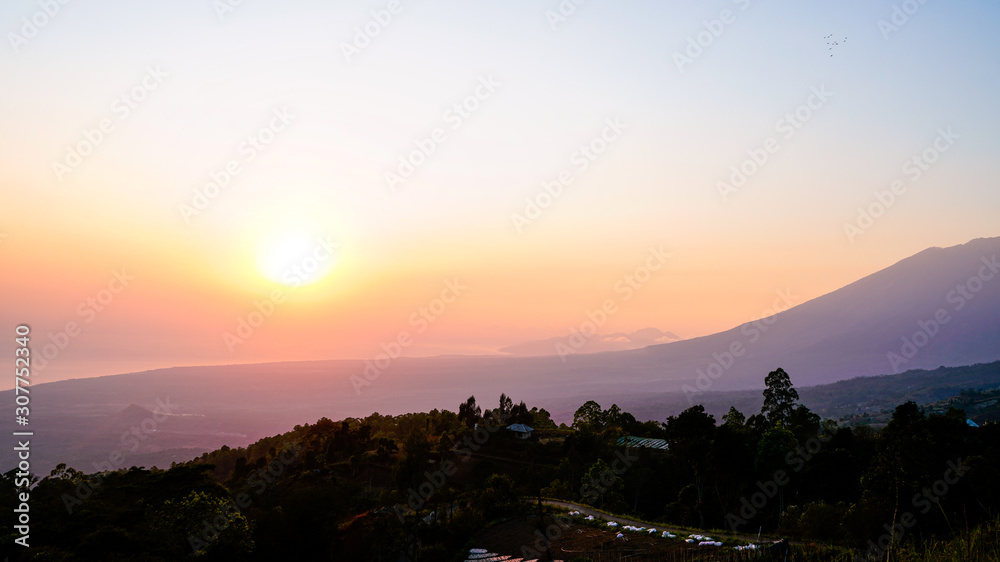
(847, 333)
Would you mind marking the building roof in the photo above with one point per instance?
(632, 441)
(520, 428)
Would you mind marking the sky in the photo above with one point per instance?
(210, 181)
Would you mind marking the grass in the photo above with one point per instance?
(979, 544)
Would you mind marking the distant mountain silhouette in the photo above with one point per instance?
(881, 324)
(940, 307)
(617, 341)
(130, 415)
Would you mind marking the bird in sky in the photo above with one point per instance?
(832, 43)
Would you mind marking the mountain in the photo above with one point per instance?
(859, 396)
(937, 308)
(133, 414)
(617, 341)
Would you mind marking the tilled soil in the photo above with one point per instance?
(521, 538)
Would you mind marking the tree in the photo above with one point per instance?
(756, 424)
(519, 414)
(734, 418)
(779, 397)
(540, 418)
(613, 415)
(469, 412)
(692, 428)
(902, 463)
(499, 496)
(776, 443)
(208, 525)
(589, 416)
(602, 487)
(803, 423)
(413, 460)
(690, 436)
(772, 452)
(503, 412)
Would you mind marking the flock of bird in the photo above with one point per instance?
(831, 42)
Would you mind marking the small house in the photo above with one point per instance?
(520, 430)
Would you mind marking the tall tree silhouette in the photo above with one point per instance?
(779, 397)
(469, 412)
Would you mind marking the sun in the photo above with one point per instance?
(296, 258)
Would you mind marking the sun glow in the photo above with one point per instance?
(296, 258)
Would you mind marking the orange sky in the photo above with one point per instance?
(265, 101)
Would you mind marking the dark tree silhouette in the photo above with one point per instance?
(779, 397)
(589, 415)
(469, 412)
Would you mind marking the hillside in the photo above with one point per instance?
(85, 421)
(433, 486)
